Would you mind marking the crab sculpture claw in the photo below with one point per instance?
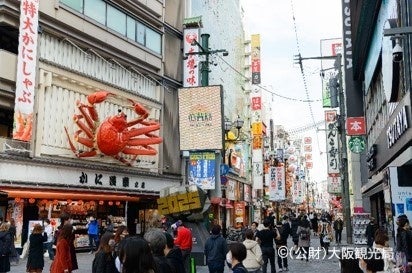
(98, 97)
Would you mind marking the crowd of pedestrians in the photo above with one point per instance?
(161, 251)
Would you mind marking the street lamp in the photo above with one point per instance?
(238, 124)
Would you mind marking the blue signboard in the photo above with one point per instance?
(202, 169)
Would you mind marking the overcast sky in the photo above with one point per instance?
(315, 20)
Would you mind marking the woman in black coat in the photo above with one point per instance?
(5, 247)
(104, 262)
(35, 260)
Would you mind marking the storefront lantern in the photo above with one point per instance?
(92, 203)
(80, 202)
(69, 201)
(32, 200)
(55, 202)
(110, 203)
(101, 202)
(117, 203)
(17, 199)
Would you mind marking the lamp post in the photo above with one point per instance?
(228, 125)
(204, 50)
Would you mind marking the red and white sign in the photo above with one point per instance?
(332, 140)
(190, 65)
(355, 126)
(309, 164)
(26, 70)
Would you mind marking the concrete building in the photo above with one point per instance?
(377, 57)
(51, 155)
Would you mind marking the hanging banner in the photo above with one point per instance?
(191, 63)
(277, 184)
(332, 141)
(297, 192)
(202, 169)
(26, 70)
(239, 212)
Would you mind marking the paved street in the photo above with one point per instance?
(295, 265)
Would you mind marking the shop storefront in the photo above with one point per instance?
(35, 192)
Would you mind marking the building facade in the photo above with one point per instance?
(95, 60)
(381, 63)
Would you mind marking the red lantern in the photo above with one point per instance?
(101, 202)
(55, 202)
(117, 203)
(69, 201)
(80, 202)
(110, 203)
(92, 203)
(17, 199)
(32, 200)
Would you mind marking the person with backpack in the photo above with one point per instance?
(304, 239)
(5, 247)
(325, 234)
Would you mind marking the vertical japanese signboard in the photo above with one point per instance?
(190, 65)
(257, 141)
(277, 184)
(26, 70)
(202, 169)
(332, 139)
(328, 47)
(255, 45)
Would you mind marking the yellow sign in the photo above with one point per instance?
(257, 128)
(179, 203)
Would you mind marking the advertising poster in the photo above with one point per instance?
(202, 169)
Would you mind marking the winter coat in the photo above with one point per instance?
(162, 265)
(303, 243)
(175, 259)
(63, 258)
(216, 249)
(35, 258)
(103, 263)
(253, 259)
(294, 227)
(239, 268)
(5, 241)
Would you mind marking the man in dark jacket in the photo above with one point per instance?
(157, 241)
(294, 222)
(266, 238)
(215, 251)
(338, 227)
(173, 255)
(370, 231)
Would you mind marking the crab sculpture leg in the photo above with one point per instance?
(88, 126)
(141, 145)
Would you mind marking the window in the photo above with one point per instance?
(74, 4)
(96, 9)
(116, 20)
(140, 33)
(153, 40)
(131, 28)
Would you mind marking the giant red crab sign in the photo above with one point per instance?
(115, 135)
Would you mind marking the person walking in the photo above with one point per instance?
(370, 231)
(184, 240)
(294, 224)
(157, 241)
(338, 227)
(238, 254)
(173, 254)
(62, 262)
(14, 255)
(135, 256)
(48, 245)
(215, 251)
(304, 239)
(5, 247)
(104, 262)
(93, 233)
(266, 238)
(284, 230)
(253, 261)
(65, 219)
(404, 243)
(325, 234)
(35, 260)
(121, 233)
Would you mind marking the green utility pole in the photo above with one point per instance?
(342, 131)
(204, 50)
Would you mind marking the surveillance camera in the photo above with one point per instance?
(397, 53)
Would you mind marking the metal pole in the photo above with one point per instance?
(205, 64)
(344, 157)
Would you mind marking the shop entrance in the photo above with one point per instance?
(378, 208)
